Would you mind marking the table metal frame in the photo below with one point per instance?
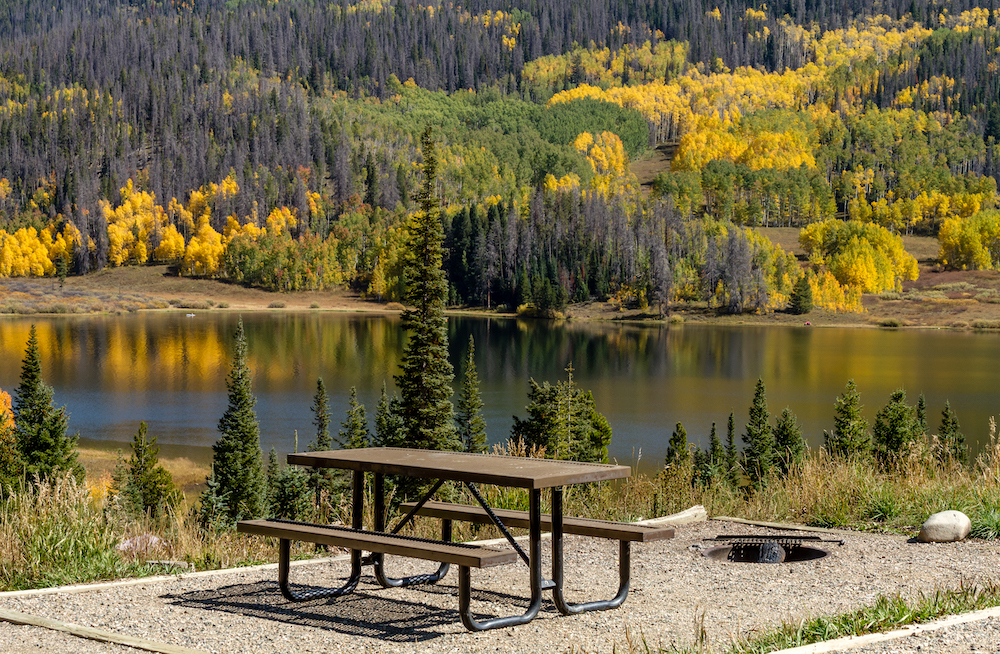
(469, 469)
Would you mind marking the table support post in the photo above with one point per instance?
(624, 566)
(535, 566)
(378, 560)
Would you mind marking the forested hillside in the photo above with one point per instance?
(274, 143)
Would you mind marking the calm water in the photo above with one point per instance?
(169, 370)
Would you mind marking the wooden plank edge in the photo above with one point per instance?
(696, 513)
(90, 633)
(782, 525)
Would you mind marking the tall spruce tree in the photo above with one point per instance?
(39, 427)
(236, 461)
(353, 432)
(425, 380)
(758, 438)
(732, 469)
(322, 481)
(895, 428)
(471, 424)
(388, 423)
(678, 452)
(850, 429)
(788, 442)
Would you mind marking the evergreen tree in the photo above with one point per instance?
(213, 506)
(236, 457)
(922, 415)
(288, 490)
(564, 420)
(850, 430)
(895, 428)
(471, 424)
(788, 441)
(322, 481)
(678, 453)
(716, 454)
(388, 422)
(354, 430)
(143, 486)
(425, 381)
(39, 427)
(732, 471)
(952, 439)
(802, 296)
(758, 438)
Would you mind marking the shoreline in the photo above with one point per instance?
(958, 300)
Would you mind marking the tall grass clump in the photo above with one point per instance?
(53, 532)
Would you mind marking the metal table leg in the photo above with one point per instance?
(624, 561)
(534, 565)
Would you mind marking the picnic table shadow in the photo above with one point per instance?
(365, 612)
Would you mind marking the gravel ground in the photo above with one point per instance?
(674, 589)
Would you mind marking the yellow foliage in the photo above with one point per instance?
(171, 247)
(607, 158)
(971, 243)
(203, 251)
(861, 256)
(6, 413)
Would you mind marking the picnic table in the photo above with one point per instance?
(532, 474)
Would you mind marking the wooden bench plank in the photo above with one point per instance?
(475, 556)
(622, 531)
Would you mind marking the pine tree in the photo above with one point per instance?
(788, 442)
(471, 424)
(425, 381)
(678, 453)
(288, 490)
(143, 486)
(732, 470)
(39, 427)
(758, 438)
(564, 420)
(213, 506)
(850, 430)
(354, 430)
(322, 481)
(388, 423)
(922, 415)
(952, 439)
(802, 296)
(895, 428)
(236, 457)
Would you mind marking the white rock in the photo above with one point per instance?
(945, 527)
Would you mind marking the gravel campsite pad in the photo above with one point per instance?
(674, 588)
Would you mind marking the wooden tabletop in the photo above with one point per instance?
(519, 472)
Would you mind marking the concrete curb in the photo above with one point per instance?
(852, 642)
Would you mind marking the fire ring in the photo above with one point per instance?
(767, 549)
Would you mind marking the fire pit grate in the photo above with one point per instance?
(779, 548)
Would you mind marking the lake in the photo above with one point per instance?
(169, 370)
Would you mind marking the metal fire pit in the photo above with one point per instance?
(782, 548)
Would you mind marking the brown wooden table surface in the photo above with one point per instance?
(514, 471)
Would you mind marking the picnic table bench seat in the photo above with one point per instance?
(620, 531)
(378, 543)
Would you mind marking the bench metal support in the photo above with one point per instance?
(284, 554)
(624, 565)
(378, 559)
(535, 567)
